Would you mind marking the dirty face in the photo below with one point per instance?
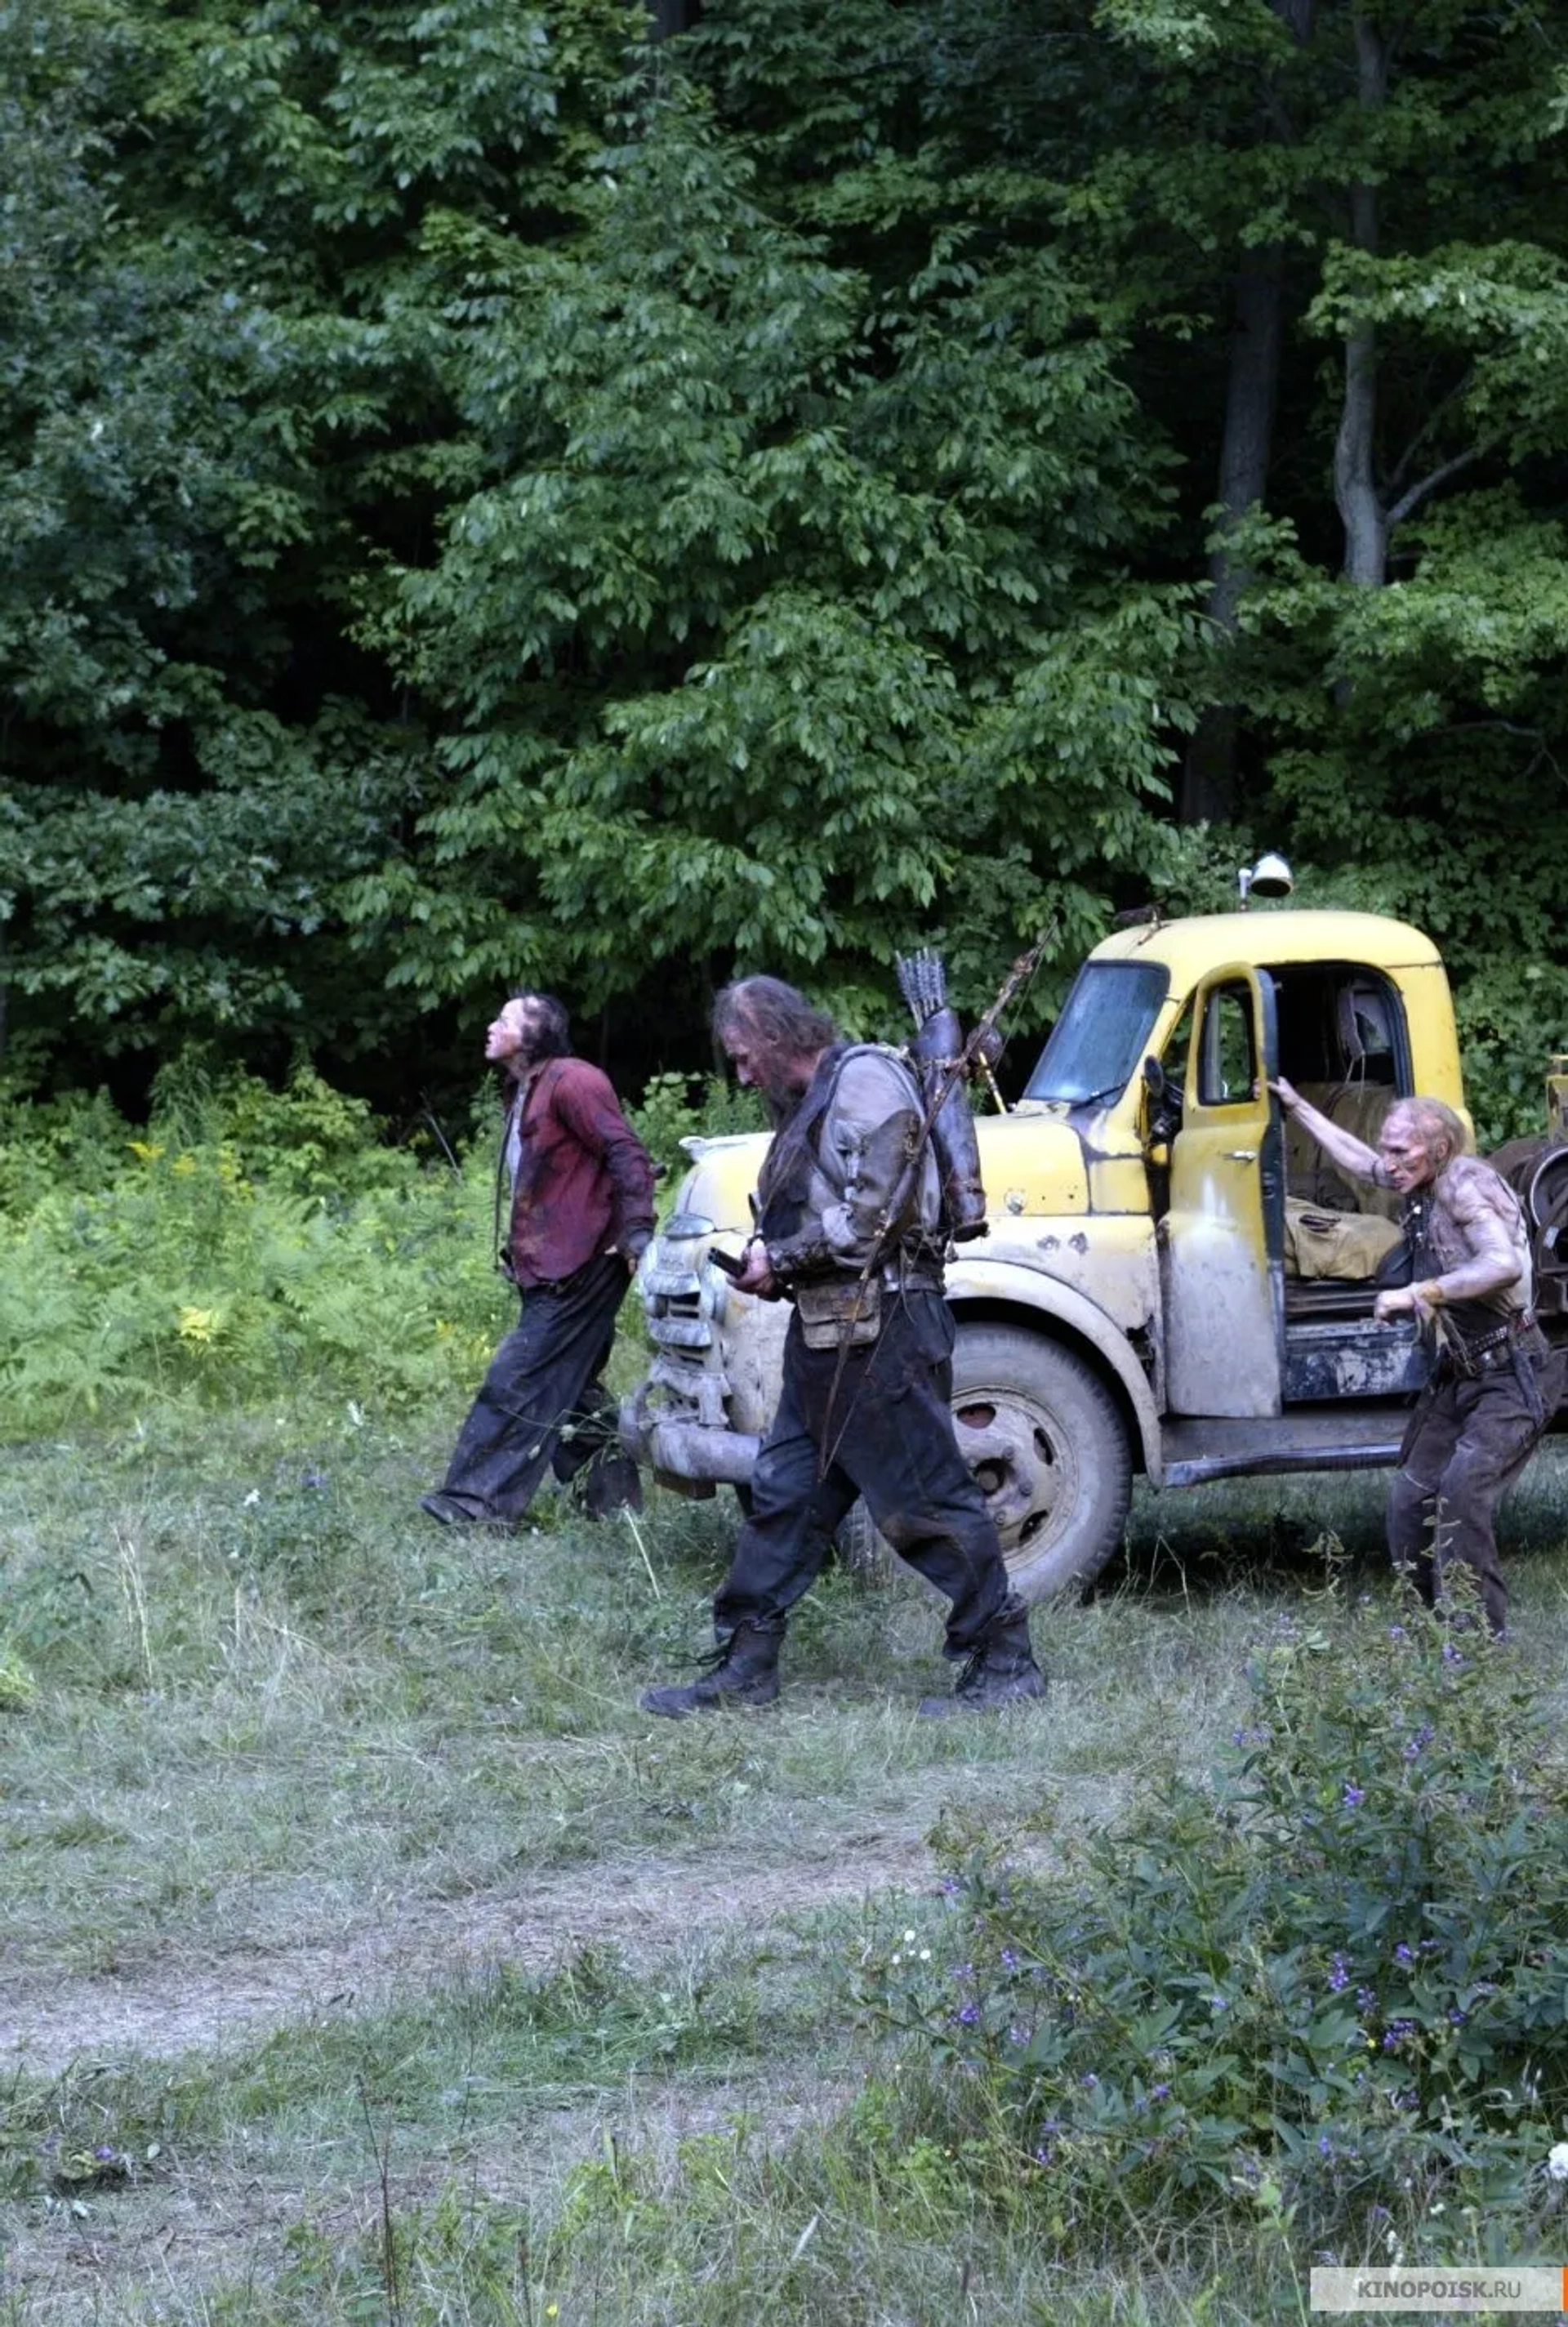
(779, 1074)
(509, 1037)
(1406, 1156)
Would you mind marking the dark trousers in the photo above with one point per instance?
(884, 1431)
(542, 1405)
(1467, 1443)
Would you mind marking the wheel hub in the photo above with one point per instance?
(1023, 1471)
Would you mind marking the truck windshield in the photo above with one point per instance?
(1102, 1033)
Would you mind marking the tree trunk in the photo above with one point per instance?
(1252, 392)
(1207, 792)
(1356, 493)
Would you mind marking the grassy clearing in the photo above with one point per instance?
(344, 1879)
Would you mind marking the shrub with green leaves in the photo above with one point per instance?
(1330, 1986)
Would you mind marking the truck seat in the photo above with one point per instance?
(1359, 1108)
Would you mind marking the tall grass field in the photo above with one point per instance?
(368, 1956)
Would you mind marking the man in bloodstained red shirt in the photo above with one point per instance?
(582, 1212)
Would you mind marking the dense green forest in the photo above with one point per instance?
(505, 492)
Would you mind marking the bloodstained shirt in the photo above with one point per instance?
(582, 1182)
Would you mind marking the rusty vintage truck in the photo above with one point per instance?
(1173, 1280)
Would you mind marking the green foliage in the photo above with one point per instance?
(669, 1114)
(489, 500)
(1328, 1986)
(243, 1238)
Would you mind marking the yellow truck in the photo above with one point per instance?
(1173, 1281)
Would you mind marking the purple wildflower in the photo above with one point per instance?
(1397, 1631)
(1325, 2146)
(1339, 1973)
(1158, 2093)
(1420, 1741)
(1404, 1953)
(1009, 1959)
(1451, 1655)
(1395, 2034)
(1354, 1796)
(1366, 1998)
(967, 2014)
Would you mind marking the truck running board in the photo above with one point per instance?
(1328, 1437)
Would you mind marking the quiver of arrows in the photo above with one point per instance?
(937, 1053)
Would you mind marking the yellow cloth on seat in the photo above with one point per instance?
(1348, 1245)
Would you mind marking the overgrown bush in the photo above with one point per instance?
(1329, 1986)
(246, 1238)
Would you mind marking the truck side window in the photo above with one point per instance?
(1227, 1067)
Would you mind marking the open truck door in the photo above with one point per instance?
(1222, 1267)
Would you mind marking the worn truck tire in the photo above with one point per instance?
(1046, 1441)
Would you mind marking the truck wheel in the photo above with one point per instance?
(1049, 1447)
(1044, 1438)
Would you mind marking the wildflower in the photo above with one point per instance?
(1404, 1953)
(1339, 1973)
(1042, 2155)
(1451, 1655)
(908, 1939)
(950, 1886)
(1019, 2036)
(964, 1973)
(1397, 1631)
(1457, 2016)
(1420, 1741)
(1395, 2034)
(1009, 1959)
(1557, 2161)
(969, 2014)
(1325, 2146)
(1366, 1998)
(1354, 1796)
(104, 2152)
(1089, 2080)
(1158, 2093)
(925, 1955)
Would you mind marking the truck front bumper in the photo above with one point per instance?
(691, 1457)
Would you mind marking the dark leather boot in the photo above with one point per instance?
(1001, 1671)
(744, 1671)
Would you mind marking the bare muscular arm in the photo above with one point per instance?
(1350, 1153)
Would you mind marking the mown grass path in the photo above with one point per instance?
(328, 1829)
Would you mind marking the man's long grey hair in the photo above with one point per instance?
(779, 1016)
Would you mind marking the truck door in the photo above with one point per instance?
(1222, 1266)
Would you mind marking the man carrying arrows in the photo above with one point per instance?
(850, 1231)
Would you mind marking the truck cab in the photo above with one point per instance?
(1173, 1280)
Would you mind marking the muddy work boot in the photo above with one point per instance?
(1001, 1671)
(743, 1671)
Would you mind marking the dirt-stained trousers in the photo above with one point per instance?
(543, 1407)
(1467, 1443)
(879, 1426)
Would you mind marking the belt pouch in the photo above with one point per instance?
(841, 1311)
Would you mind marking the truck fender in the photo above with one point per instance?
(971, 1279)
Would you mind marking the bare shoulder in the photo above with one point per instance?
(1473, 1190)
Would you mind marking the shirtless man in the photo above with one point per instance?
(1495, 1383)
